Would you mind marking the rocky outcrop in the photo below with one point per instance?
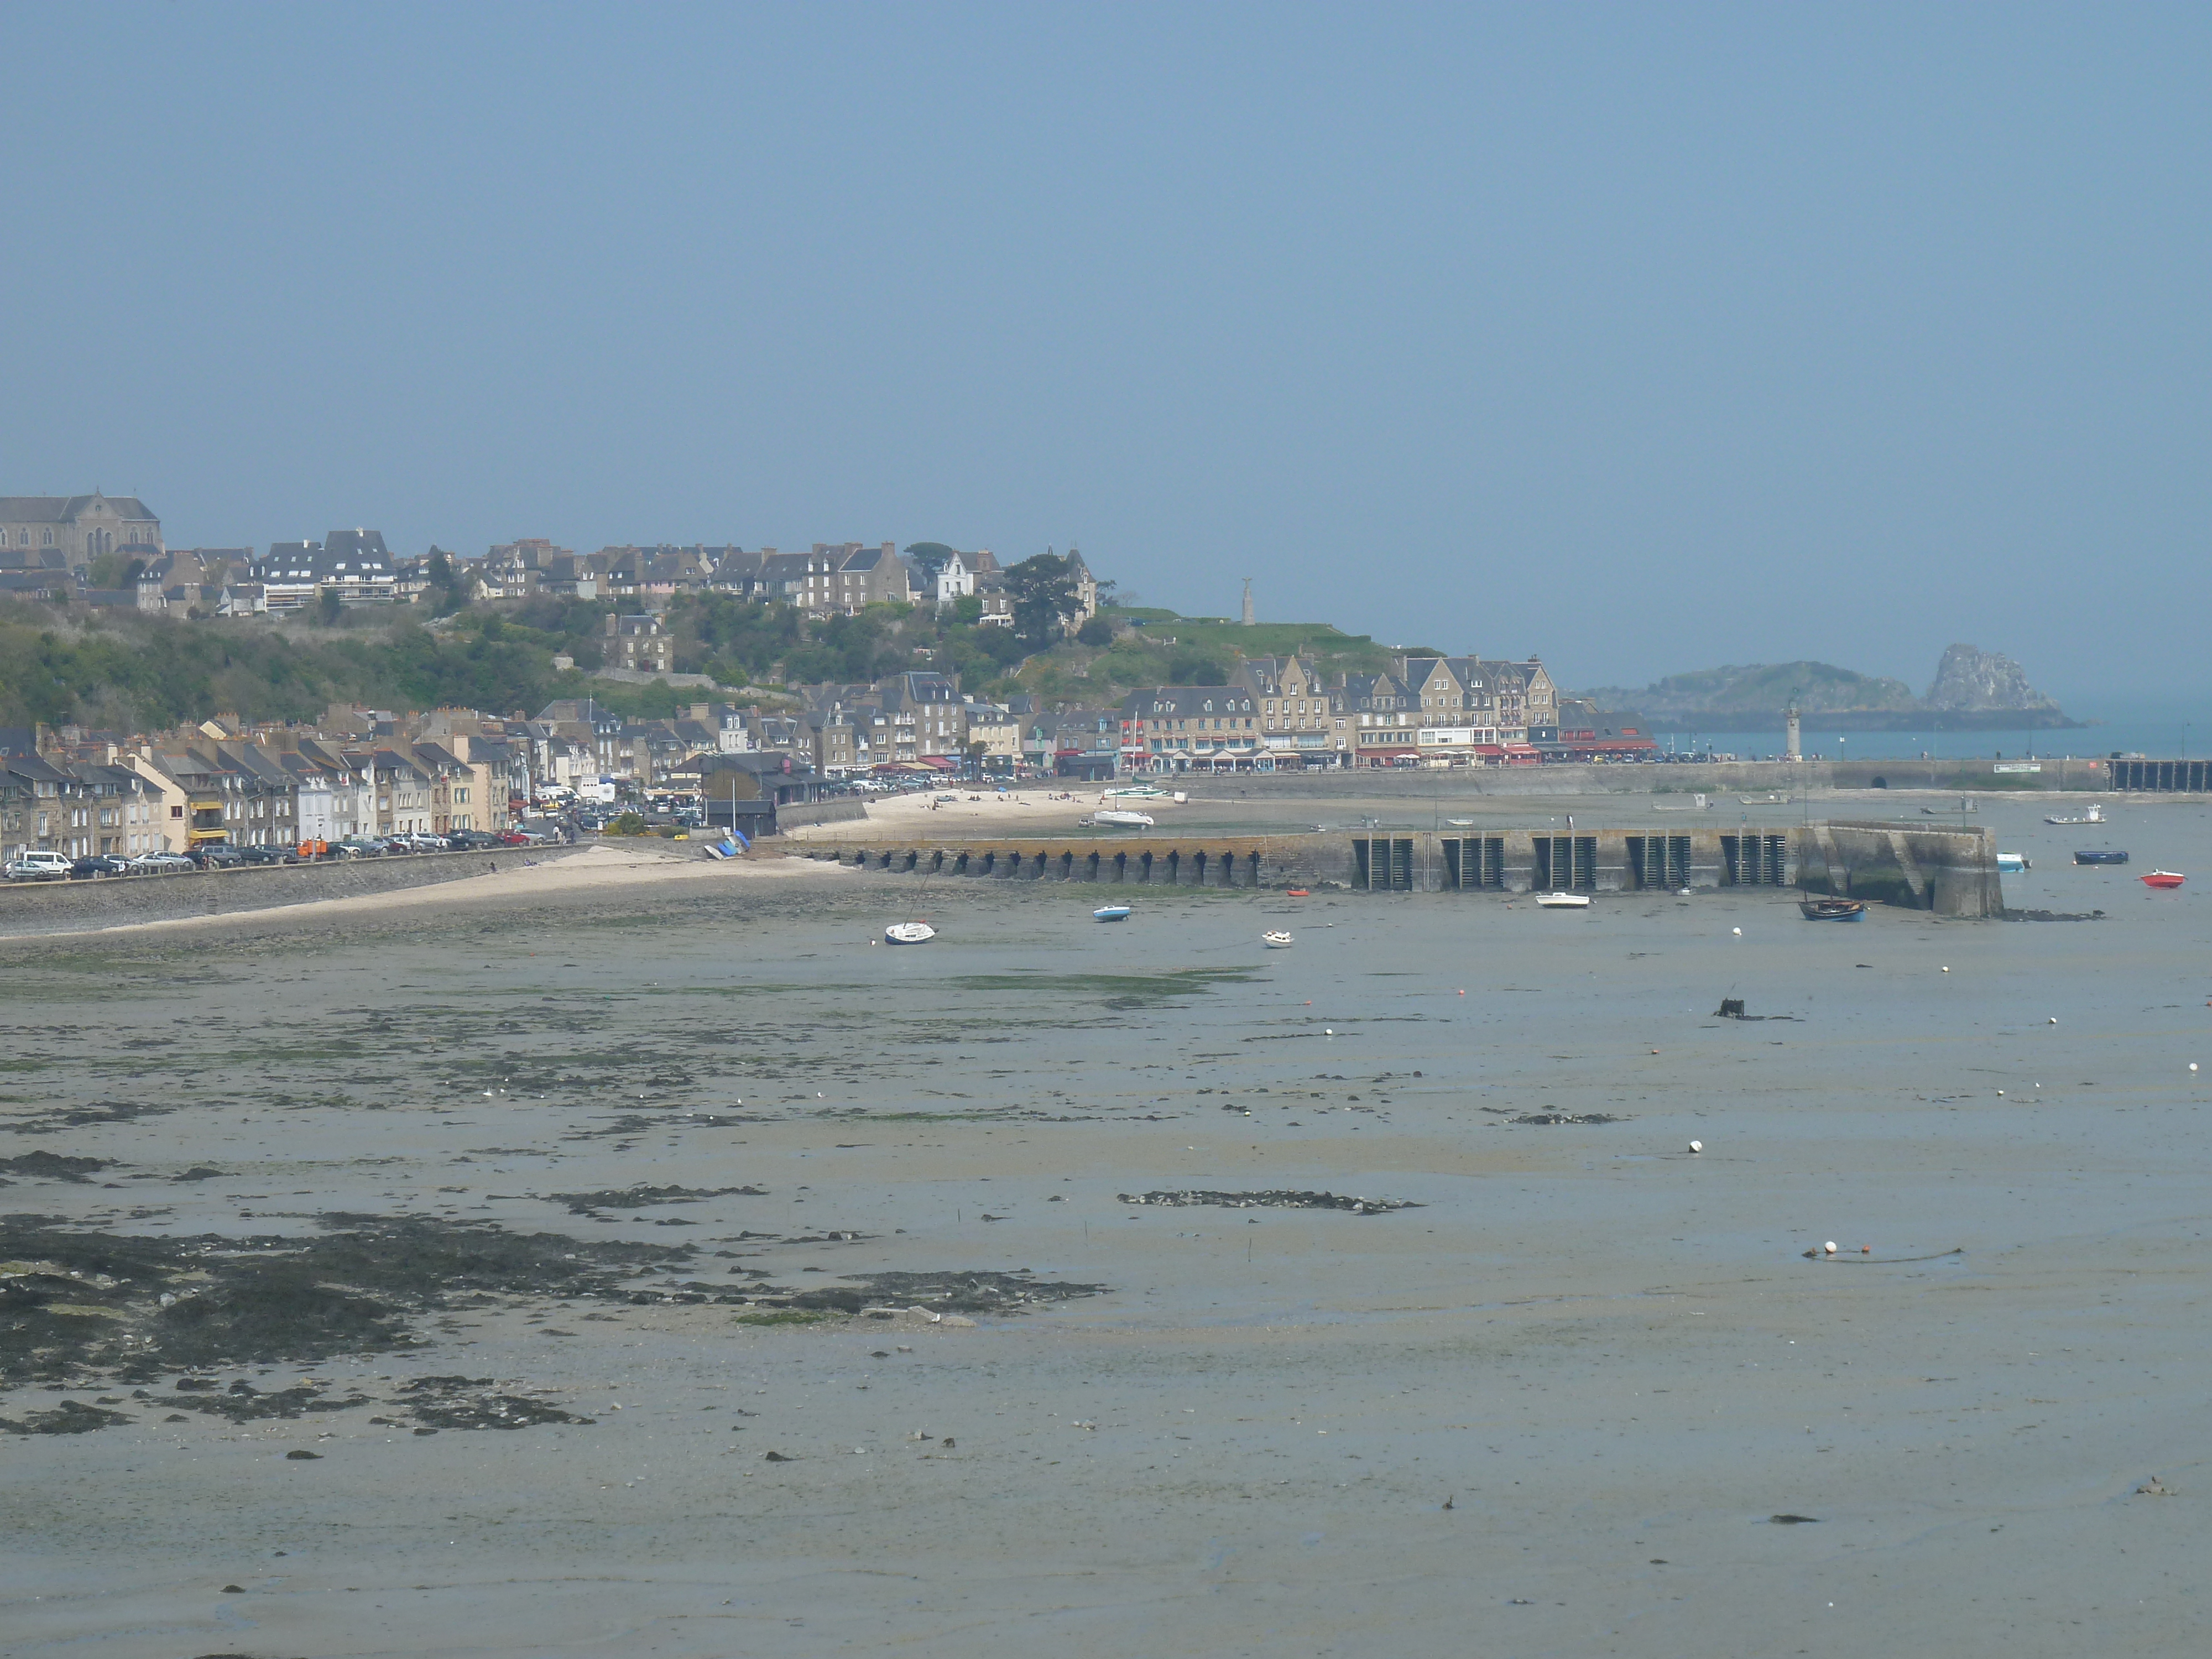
(1973, 681)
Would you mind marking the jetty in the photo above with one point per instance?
(1949, 870)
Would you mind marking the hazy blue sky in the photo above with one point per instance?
(1645, 338)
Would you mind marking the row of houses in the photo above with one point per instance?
(828, 579)
(48, 543)
(184, 790)
(1278, 711)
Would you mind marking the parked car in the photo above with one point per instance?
(358, 847)
(99, 864)
(217, 856)
(470, 840)
(514, 838)
(31, 865)
(269, 855)
(161, 864)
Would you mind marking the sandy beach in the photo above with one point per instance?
(1569, 1404)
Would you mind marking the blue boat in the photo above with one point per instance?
(2100, 856)
(1110, 913)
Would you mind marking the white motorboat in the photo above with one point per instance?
(2013, 864)
(1461, 824)
(1110, 913)
(1277, 940)
(908, 932)
(1120, 820)
(1563, 901)
(2094, 815)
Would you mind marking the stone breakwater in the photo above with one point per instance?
(1950, 871)
(28, 908)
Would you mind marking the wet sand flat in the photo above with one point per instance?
(1607, 1355)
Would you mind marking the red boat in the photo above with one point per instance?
(2163, 879)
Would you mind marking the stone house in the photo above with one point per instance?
(1299, 716)
(81, 528)
(639, 644)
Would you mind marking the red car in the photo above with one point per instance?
(514, 838)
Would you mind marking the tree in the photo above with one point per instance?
(1042, 590)
(329, 607)
(1096, 632)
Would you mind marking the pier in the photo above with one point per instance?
(1950, 871)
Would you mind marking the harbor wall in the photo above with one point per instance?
(1951, 871)
(28, 908)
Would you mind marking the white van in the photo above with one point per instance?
(31, 865)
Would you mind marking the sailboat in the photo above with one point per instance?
(916, 931)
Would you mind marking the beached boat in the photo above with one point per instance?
(1771, 797)
(1120, 820)
(1831, 910)
(908, 932)
(2168, 878)
(2013, 864)
(1563, 901)
(1139, 792)
(1461, 824)
(1110, 913)
(2100, 855)
(2094, 815)
(1299, 892)
(1277, 940)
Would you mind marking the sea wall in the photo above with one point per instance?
(1951, 871)
(819, 812)
(27, 909)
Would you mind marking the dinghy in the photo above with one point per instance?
(1563, 901)
(1110, 913)
(908, 932)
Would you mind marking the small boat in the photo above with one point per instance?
(1946, 811)
(1299, 892)
(1120, 820)
(1771, 797)
(1831, 910)
(2013, 864)
(908, 932)
(2100, 855)
(1140, 792)
(1277, 940)
(1563, 901)
(1461, 824)
(1110, 913)
(2165, 879)
(2094, 815)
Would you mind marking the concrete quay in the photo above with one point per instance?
(1951, 870)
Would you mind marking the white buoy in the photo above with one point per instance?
(1830, 1247)
(1738, 932)
(1697, 1145)
(1329, 1030)
(2000, 1094)
(2054, 1020)
(2192, 1065)
(1947, 971)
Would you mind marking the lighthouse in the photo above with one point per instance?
(1792, 744)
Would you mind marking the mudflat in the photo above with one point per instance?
(669, 1267)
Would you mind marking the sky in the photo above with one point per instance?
(1645, 338)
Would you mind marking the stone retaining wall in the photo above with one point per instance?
(29, 908)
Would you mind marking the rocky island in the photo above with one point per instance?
(1973, 690)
